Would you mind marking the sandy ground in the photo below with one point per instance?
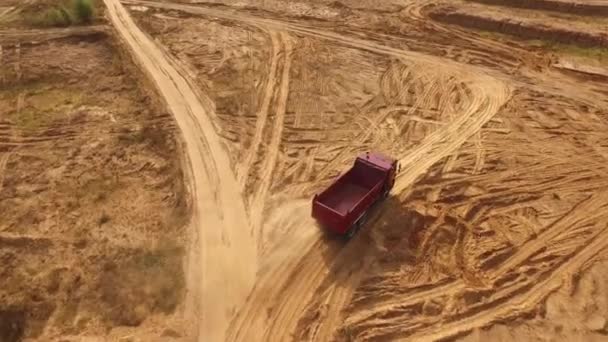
(484, 223)
(496, 228)
(92, 199)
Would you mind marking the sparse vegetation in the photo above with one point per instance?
(597, 53)
(127, 301)
(40, 106)
(150, 134)
(60, 110)
(77, 12)
(55, 17)
(83, 10)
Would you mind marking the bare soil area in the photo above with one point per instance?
(91, 194)
(492, 213)
(496, 228)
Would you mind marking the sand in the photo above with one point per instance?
(496, 226)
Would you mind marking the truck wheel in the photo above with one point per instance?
(362, 220)
(353, 230)
(386, 193)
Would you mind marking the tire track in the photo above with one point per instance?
(488, 94)
(586, 211)
(562, 225)
(479, 153)
(308, 276)
(260, 197)
(2, 77)
(276, 277)
(223, 254)
(5, 12)
(18, 74)
(522, 303)
(342, 286)
(370, 129)
(342, 39)
(262, 116)
(488, 99)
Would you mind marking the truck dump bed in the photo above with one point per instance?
(345, 197)
(344, 205)
(352, 188)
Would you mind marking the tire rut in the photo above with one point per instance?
(260, 198)
(262, 115)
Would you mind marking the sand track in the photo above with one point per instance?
(260, 196)
(219, 215)
(262, 115)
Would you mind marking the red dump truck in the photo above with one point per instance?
(342, 208)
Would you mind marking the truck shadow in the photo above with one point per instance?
(344, 257)
(388, 241)
(344, 263)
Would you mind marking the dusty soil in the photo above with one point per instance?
(496, 228)
(91, 193)
(500, 203)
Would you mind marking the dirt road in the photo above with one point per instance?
(223, 262)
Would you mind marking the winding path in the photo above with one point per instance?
(222, 262)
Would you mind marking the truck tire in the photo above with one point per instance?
(356, 226)
(351, 232)
(354, 229)
(386, 193)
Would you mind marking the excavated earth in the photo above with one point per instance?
(556, 28)
(497, 228)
